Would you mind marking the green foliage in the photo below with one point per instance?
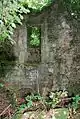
(75, 103)
(35, 4)
(55, 98)
(22, 107)
(1, 85)
(35, 37)
(73, 7)
(30, 99)
(11, 14)
(61, 113)
(33, 97)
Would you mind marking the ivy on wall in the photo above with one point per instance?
(11, 13)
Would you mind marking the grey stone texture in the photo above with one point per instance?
(59, 68)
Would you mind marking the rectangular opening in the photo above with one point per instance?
(34, 44)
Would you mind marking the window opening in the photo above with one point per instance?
(34, 44)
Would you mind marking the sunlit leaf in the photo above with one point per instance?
(13, 25)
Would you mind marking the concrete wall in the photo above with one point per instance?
(60, 58)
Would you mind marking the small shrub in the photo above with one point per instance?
(29, 101)
(75, 103)
(56, 99)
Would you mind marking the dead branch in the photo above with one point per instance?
(5, 110)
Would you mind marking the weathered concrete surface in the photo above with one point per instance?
(60, 58)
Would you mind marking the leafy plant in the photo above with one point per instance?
(1, 85)
(11, 14)
(75, 103)
(29, 101)
(33, 97)
(55, 98)
(35, 36)
(35, 4)
(22, 107)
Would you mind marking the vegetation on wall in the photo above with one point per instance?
(73, 8)
(34, 36)
(11, 13)
(35, 4)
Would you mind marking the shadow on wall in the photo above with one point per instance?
(7, 57)
(74, 87)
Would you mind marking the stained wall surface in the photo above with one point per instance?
(59, 68)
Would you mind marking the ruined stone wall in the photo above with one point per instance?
(64, 45)
(59, 67)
